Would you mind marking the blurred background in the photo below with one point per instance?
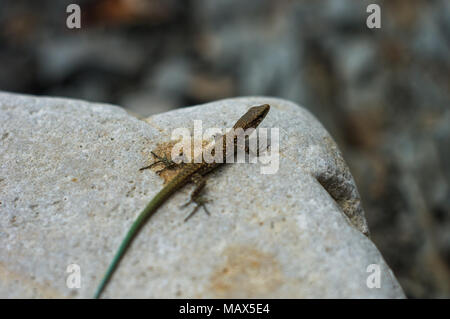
(383, 94)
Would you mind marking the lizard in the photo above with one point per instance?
(190, 172)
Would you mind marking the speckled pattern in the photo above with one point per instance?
(70, 187)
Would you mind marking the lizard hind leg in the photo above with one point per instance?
(200, 183)
(168, 163)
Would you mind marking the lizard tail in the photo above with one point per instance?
(151, 208)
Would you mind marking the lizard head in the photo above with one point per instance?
(253, 117)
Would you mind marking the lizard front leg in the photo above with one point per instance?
(200, 183)
(246, 147)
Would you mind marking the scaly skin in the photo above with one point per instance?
(190, 172)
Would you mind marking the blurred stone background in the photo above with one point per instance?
(384, 94)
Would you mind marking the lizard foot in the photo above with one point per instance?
(168, 163)
(200, 202)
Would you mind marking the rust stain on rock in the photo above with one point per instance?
(30, 287)
(246, 273)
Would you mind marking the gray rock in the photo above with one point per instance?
(70, 188)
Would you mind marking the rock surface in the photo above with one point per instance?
(70, 188)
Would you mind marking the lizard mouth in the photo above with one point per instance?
(253, 117)
(262, 110)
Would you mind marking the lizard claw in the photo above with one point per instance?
(149, 166)
(201, 202)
